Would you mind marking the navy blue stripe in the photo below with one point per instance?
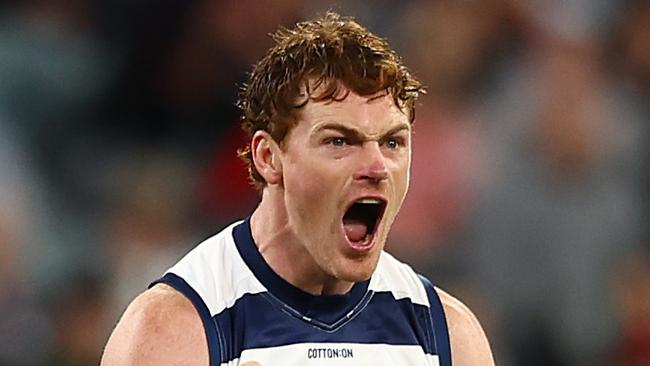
(328, 309)
(208, 323)
(440, 329)
(258, 321)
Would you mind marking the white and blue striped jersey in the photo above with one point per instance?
(251, 314)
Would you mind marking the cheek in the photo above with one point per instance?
(310, 188)
(401, 175)
(305, 177)
(399, 187)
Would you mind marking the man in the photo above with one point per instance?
(305, 280)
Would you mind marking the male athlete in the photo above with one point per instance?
(304, 280)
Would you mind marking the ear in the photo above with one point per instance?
(266, 157)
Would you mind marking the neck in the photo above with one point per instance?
(285, 252)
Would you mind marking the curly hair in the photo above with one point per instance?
(334, 52)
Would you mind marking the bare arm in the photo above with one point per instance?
(469, 345)
(160, 327)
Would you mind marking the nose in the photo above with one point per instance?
(373, 164)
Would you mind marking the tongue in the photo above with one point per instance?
(355, 230)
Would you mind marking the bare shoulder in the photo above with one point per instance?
(469, 345)
(160, 327)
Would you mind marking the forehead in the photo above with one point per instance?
(371, 114)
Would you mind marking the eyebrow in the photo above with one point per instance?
(354, 132)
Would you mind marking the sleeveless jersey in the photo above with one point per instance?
(250, 313)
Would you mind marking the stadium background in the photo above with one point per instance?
(530, 175)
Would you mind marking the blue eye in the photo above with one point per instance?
(392, 143)
(337, 141)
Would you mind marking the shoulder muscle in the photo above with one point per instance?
(160, 327)
(469, 345)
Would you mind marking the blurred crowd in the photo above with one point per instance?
(530, 186)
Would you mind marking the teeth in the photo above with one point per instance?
(369, 201)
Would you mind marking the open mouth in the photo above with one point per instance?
(361, 220)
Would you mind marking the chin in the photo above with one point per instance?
(355, 277)
(355, 270)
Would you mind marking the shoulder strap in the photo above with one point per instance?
(211, 331)
(440, 330)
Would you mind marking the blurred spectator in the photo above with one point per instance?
(51, 65)
(53, 69)
(629, 47)
(633, 295)
(561, 209)
(147, 229)
(79, 314)
(225, 190)
(25, 322)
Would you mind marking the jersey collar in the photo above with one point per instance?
(328, 309)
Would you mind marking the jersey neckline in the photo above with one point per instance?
(326, 309)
